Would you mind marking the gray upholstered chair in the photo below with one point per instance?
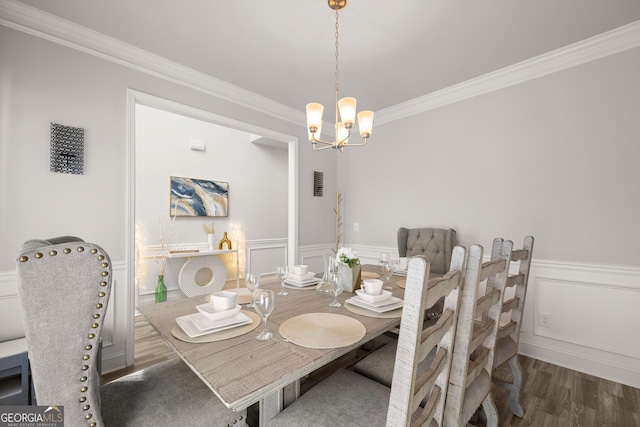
(64, 286)
(473, 351)
(434, 243)
(509, 333)
(349, 399)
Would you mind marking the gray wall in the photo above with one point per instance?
(556, 157)
(43, 82)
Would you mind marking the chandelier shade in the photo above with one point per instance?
(345, 109)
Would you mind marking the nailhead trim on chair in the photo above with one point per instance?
(94, 325)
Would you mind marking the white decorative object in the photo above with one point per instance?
(211, 239)
(350, 277)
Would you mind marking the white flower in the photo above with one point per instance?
(347, 257)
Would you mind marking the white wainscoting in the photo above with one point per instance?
(592, 313)
(591, 310)
(591, 319)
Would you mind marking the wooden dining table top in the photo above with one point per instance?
(243, 370)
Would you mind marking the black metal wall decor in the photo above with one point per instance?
(67, 149)
(318, 183)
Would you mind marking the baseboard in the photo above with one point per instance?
(627, 374)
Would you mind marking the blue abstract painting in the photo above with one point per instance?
(199, 197)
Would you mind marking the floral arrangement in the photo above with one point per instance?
(347, 257)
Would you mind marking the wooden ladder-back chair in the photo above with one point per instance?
(349, 399)
(64, 288)
(478, 318)
(508, 337)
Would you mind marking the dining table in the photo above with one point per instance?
(241, 370)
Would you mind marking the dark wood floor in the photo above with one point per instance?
(551, 395)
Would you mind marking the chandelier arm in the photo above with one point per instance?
(324, 147)
(315, 140)
(350, 144)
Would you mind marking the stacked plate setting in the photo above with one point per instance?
(378, 303)
(208, 320)
(302, 280)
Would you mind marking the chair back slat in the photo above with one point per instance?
(491, 268)
(506, 330)
(481, 332)
(519, 254)
(475, 343)
(510, 304)
(478, 365)
(484, 303)
(516, 279)
(435, 333)
(416, 342)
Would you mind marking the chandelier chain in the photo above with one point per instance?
(337, 60)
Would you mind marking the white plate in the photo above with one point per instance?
(202, 275)
(400, 272)
(188, 323)
(372, 299)
(209, 312)
(390, 300)
(382, 309)
(304, 284)
(301, 278)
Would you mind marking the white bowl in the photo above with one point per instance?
(300, 270)
(385, 295)
(210, 313)
(223, 300)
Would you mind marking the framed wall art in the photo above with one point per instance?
(66, 149)
(198, 197)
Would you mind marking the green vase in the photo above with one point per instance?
(161, 290)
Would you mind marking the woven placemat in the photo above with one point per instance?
(322, 330)
(401, 283)
(369, 275)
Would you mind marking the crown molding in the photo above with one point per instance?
(36, 22)
(605, 44)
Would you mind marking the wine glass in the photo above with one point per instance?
(387, 270)
(384, 258)
(251, 281)
(282, 273)
(335, 284)
(263, 301)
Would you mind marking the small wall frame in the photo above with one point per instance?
(66, 149)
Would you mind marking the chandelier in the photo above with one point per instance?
(345, 106)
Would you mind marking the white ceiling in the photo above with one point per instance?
(390, 50)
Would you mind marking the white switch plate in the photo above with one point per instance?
(356, 226)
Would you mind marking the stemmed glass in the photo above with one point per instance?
(282, 273)
(387, 270)
(263, 301)
(384, 258)
(335, 285)
(251, 281)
